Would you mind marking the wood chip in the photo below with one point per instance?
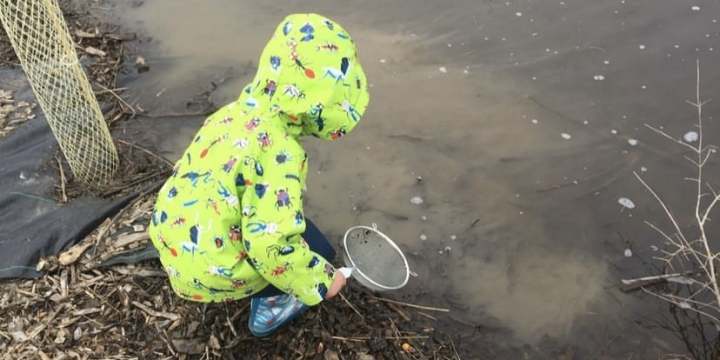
(94, 51)
(154, 313)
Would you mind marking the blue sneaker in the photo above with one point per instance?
(269, 313)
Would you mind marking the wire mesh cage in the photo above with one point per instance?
(42, 42)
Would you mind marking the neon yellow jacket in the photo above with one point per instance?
(229, 220)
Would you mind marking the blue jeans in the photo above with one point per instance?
(317, 242)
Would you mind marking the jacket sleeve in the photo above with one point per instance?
(273, 223)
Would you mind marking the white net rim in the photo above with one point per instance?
(359, 274)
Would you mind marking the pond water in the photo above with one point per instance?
(519, 124)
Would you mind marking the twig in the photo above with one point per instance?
(427, 316)
(399, 311)
(63, 181)
(122, 102)
(365, 338)
(454, 349)
(653, 278)
(147, 152)
(351, 306)
(410, 305)
(162, 314)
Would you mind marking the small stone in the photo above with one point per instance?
(691, 136)
(626, 203)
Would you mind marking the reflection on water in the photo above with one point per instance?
(518, 123)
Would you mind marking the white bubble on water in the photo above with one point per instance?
(628, 253)
(585, 122)
(518, 14)
(565, 136)
(423, 237)
(677, 46)
(534, 121)
(654, 248)
(643, 169)
(695, 8)
(453, 237)
(632, 142)
(626, 203)
(641, 47)
(416, 200)
(613, 131)
(606, 62)
(598, 78)
(691, 136)
(383, 61)
(442, 69)
(643, 87)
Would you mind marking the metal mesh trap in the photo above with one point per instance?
(378, 263)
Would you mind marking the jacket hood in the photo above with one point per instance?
(309, 78)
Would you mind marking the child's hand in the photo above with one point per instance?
(337, 285)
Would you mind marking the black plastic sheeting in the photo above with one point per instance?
(32, 224)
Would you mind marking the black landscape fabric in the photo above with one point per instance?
(32, 224)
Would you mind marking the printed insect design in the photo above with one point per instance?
(264, 140)
(199, 285)
(249, 211)
(293, 91)
(159, 219)
(241, 143)
(270, 87)
(216, 141)
(280, 270)
(337, 133)
(338, 74)
(225, 121)
(283, 198)
(260, 190)
(232, 200)
(328, 47)
(316, 112)
(278, 250)
(275, 108)
(258, 266)
(192, 245)
(350, 110)
(212, 203)
(283, 157)
(219, 242)
(179, 221)
(238, 283)
(172, 271)
(329, 271)
(235, 233)
(227, 167)
(252, 124)
(309, 31)
(299, 218)
(295, 57)
(241, 181)
(287, 27)
(215, 270)
(275, 63)
(314, 262)
(262, 228)
(194, 177)
(172, 192)
(258, 166)
(172, 251)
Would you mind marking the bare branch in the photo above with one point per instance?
(672, 138)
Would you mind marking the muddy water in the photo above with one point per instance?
(518, 123)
